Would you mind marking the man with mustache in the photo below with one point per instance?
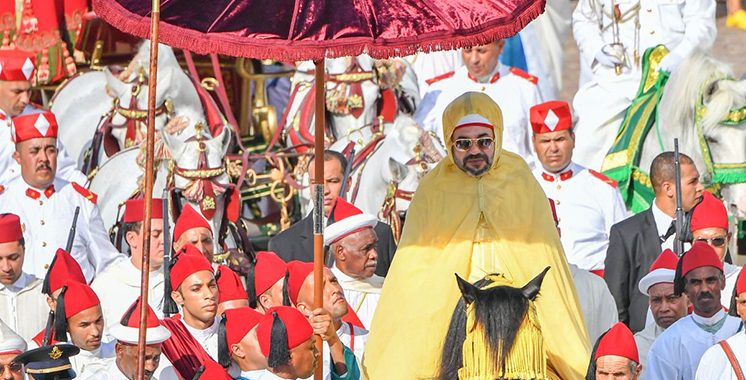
(677, 352)
(480, 211)
(18, 69)
(587, 202)
(46, 204)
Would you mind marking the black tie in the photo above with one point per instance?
(671, 230)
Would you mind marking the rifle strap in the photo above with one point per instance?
(732, 359)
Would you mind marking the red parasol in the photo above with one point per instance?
(291, 30)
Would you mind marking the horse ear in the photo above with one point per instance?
(225, 139)
(165, 76)
(710, 90)
(398, 170)
(531, 289)
(113, 84)
(468, 291)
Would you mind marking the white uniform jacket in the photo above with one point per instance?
(22, 306)
(714, 363)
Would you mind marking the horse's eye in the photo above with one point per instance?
(711, 140)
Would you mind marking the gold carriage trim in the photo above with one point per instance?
(200, 173)
(351, 77)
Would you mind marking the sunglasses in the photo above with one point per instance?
(715, 242)
(13, 367)
(464, 144)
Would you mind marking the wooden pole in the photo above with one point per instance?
(149, 148)
(318, 207)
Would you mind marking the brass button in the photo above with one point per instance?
(40, 202)
(557, 202)
(42, 222)
(43, 244)
(650, 10)
(46, 266)
(559, 187)
(652, 32)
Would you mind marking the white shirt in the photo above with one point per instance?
(91, 362)
(361, 295)
(23, 307)
(354, 338)
(644, 339)
(714, 363)
(596, 302)
(514, 94)
(207, 338)
(259, 374)
(677, 351)
(118, 287)
(429, 66)
(662, 224)
(46, 218)
(587, 205)
(10, 169)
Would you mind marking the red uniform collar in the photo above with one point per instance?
(34, 194)
(493, 78)
(564, 176)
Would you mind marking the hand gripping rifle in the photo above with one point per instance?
(68, 248)
(681, 235)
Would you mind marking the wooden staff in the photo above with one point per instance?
(318, 207)
(149, 147)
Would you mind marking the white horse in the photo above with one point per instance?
(700, 103)
(81, 103)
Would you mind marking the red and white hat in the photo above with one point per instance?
(268, 268)
(709, 213)
(134, 210)
(127, 330)
(189, 218)
(345, 220)
(618, 341)
(230, 286)
(552, 116)
(663, 269)
(10, 342)
(10, 228)
(16, 65)
(297, 330)
(473, 120)
(33, 126)
(62, 270)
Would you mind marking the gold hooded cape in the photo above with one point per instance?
(438, 240)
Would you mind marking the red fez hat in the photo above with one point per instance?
(698, 256)
(741, 283)
(63, 269)
(189, 261)
(618, 341)
(10, 228)
(234, 326)
(552, 116)
(74, 298)
(230, 286)
(663, 269)
(346, 219)
(189, 218)
(127, 330)
(280, 330)
(34, 126)
(709, 213)
(16, 65)
(268, 268)
(134, 210)
(298, 271)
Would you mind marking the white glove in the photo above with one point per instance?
(670, 62)
(610, 55)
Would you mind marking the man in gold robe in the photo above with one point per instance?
(479, 211)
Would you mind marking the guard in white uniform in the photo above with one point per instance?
(17, 69)
(514, 90)
(46, 204)
(723, 360)
(587, 202)
(680, 25)
(119, 285)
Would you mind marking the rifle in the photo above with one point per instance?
(346, 176)
(167, 248)
(68, 248)
(678, 244)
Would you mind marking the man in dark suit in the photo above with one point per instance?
(296, 243)
(636, 242)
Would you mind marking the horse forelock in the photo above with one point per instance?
(730, 94)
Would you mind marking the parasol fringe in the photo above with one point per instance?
(202, 43)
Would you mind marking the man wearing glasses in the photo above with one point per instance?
(11, 345)
(709, 224)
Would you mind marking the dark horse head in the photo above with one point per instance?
(499, 311)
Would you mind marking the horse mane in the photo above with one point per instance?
(500, 311)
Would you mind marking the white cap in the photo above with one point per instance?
(10, 342)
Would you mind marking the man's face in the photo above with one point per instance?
(11, 262)
(612, 367)
(333, 175)
(691, 188)
(334, 297)
(303, 359)
(477, 159)
(200, 238)
(666, 307)
(715, 237)
(198, 295)
(14, 96)
(86, 328)
(741, 306)
(481, 60)
(134, 240)
(554, 149)
(127, 359)
(703, 287)
(10, 370)
(38, 160)
(356, 254)
(271, 298)
(249, 349)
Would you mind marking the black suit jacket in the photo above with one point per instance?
(633, 246)
(296, 243)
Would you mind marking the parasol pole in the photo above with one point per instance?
(318, 207)
(149, 147)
